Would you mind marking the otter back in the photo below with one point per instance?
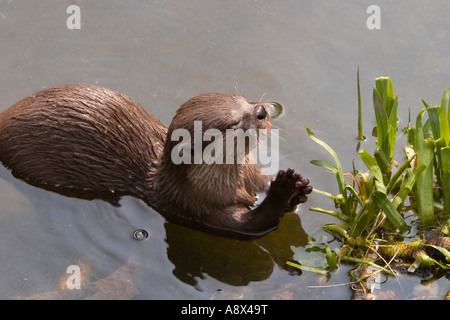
(81, 137)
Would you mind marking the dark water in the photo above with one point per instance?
(302, 54)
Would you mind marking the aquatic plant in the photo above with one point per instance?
(431, 142)
(370, 205)
(359, 208)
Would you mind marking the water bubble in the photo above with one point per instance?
(140, 234)
(276, 109)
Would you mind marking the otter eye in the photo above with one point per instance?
(261, 112)
(233, 124)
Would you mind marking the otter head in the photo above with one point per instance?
(208, 143)
(215, 128)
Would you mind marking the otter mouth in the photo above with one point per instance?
(275, 110)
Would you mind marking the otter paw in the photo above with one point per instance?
(300, 196)
(286, 183)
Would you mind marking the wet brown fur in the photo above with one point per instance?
(94, 141)
(81, 137)
(211, 192)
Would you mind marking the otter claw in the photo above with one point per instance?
(302, 184)
(300, 195)
(289, 183)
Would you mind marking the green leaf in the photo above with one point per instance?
(350, 188)
(424, 184)
(385, 105)
(325, 165)
(363, 218)
(392, 128)
(385, 89)
(381, 118)
(336, 214)
(390, 211)
(433, 117)
(398, 173)
(443, 117)
(374, 169)
(407, 187)
(445, 183)
(442, 250)
(339, 173)
(360, 127)
(299, 266)
(331, 258)
(382, 160)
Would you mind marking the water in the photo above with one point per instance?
(302, 54)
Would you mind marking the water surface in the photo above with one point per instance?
(302, 54)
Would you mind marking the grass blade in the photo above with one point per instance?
(360, 128)
(445, 165)
(397, 174)
(331, 258)
(424, 184)
(325, 164)
(443, 117)
(433, 116)
(363, 218)
(392, 128)
(390, 211)
(382, 120)
(339, 172)
(385, 105)
(382, 161)
(406, 188)
(374, 169)
(385, 89)
(444, 251)
(299, 266)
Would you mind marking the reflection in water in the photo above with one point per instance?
(99, 238)
(118, 285)
(232, 261)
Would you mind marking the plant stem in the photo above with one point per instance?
(299, 266)
(370, 263)
(336, 214)
(360, 128)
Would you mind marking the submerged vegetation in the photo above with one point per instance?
(376, 227)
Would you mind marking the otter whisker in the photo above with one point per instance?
(236, 88)
(279, 130)
(262, 100)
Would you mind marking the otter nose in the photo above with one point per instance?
(261, 112)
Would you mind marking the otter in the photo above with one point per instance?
(91, 142)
